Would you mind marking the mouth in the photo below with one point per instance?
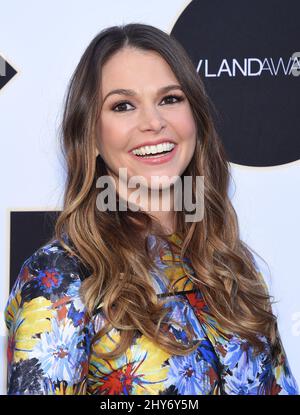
(163, 156)
(158, 146)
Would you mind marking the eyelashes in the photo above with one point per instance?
(122, 104)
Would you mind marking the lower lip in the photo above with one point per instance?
(156, 160)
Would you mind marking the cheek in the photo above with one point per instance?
(112, 136)
(185, 126)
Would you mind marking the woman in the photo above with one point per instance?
(138, 300)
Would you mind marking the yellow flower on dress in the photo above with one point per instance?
(176, 271)
(139, 371)
(31, 319)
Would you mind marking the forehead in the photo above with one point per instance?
(135, 68)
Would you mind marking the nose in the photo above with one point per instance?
(151, 119)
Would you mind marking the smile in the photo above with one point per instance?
(158, 154)
(154, 149)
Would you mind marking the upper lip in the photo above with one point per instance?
(153, 143)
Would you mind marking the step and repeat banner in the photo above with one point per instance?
(248, 55)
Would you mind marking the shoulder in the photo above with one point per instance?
(49, 328)
(50, 264)
(50, 275)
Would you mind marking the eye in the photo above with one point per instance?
(121, 106)
(178, 98)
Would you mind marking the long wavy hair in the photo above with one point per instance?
(119, 282)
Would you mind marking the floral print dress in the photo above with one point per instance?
(49, 339)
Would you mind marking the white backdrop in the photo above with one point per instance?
(44, 41)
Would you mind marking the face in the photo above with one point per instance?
(145, 116)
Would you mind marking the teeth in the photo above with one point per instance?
(142, 151)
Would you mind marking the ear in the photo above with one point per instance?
(96, 152)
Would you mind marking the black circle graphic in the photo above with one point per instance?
(248, 56)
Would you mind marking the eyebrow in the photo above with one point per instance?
(131, 92)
